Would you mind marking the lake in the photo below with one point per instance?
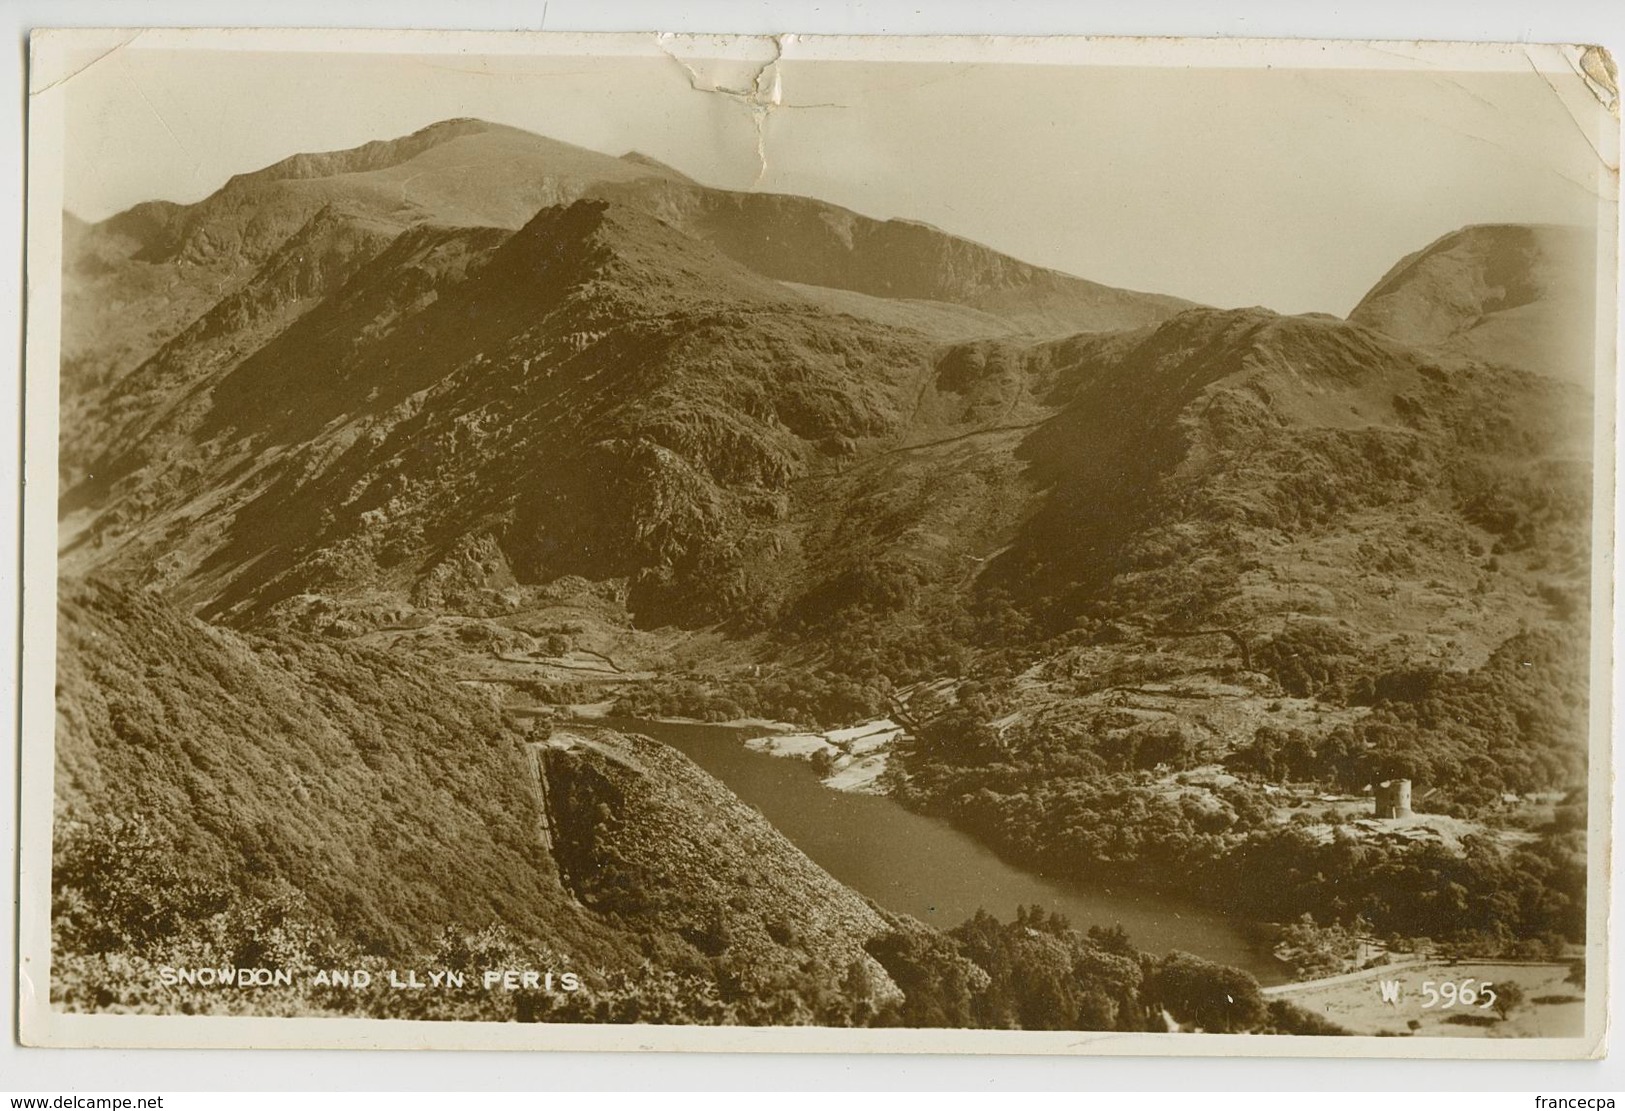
(913, 864)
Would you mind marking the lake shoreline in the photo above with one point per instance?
(922, 865)
(853, 758)
(594, 711)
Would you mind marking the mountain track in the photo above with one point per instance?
(904, 449)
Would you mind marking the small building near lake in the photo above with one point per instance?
(1393, 798)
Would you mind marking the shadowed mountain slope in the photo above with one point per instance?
(796, 239)
(1515, 295)
(603, 395)
(459, 173)
(361, 798)
(139, 280)
(136, 281)
(265, 763)
(609, 396)
(1237, 467)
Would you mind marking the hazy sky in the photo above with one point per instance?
(1291, 188)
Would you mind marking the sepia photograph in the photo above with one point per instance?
(818, 544)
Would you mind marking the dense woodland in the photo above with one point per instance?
(127, 906)
(1085, 803)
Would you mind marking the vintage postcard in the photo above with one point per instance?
(933, 545)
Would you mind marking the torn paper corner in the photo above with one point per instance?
(1601, 75)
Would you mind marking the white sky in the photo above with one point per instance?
(1291, 188)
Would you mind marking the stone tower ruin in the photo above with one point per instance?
(1393, 798)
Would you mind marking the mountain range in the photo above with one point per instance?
(343, 371)
(435, 396)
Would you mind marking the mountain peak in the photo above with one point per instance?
(457, 173)
(379, 154)
(567, 242)
(459, 125)
(638, 158)
(1518, 294)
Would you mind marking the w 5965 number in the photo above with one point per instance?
(1467, 993)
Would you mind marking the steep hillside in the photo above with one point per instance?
(1244, 506)
(101, 418)
(457, 172)
(603, 394)
(796, 239)
(1240, 466)
(296, 804)
(1513, 295)
(1226, 470)
(630, 846)
(269, 763)
(138, 280)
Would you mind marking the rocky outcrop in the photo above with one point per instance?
(644, 834)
